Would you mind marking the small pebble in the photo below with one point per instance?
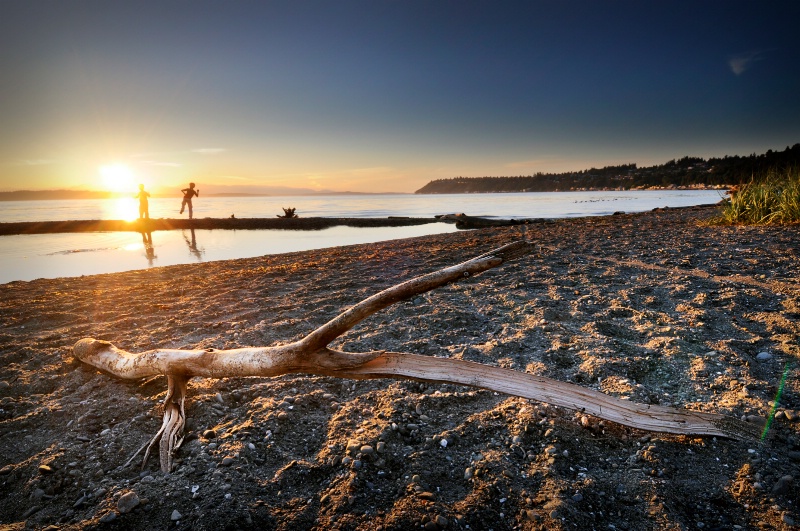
(176, 516)
(783, 485)
(127, 502)
(764, 356)
(109, 517)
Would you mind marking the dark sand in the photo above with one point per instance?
(654, 307)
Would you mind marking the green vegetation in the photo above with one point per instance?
(686, 172)
(769, 200)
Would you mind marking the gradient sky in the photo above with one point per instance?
(384, 96)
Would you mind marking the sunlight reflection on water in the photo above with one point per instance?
(31, 256)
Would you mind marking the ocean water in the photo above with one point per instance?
(505, 206)
(27, 257)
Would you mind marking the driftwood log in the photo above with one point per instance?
(311, 355)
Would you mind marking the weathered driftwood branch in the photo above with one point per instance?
(311, 355)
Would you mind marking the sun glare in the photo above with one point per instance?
(124, 208)
(117, 178)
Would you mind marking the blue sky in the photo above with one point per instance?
(383, 96)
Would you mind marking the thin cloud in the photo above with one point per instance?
(157, 163)
(35, 162)
(742, 62)
(370, 171)
(209, 151)
(236, 178)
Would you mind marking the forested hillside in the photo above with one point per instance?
(688, 172)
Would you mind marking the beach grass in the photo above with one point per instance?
(771, 199)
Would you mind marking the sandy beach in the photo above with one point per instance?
(656, 308)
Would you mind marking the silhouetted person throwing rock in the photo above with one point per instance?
(144, 209)
(188, 194)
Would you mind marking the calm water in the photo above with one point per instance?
(27, 257)
(527, 205)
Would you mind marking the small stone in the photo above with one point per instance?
(227, 461)
(469, 472)
(441, 521)
(783, 485)
(764, 356)
(31, 510)
(787, 519)
(45, 469)
(109, 517)
(430, 526)
(176, 516)
(283, 415)
(127, 502)
(381, 447)
(443, 443)
(792, 415)
(209, 434)
(425, 495)
(367, 449)
(578, 497)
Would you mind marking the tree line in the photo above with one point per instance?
(687, 172)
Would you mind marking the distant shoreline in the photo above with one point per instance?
(73, 195)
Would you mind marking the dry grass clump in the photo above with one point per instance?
(773, 199)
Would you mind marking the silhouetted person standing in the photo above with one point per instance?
(188, 194)
(144, 208)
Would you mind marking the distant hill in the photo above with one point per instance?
(36, 195)
(688, 172)
(216, 191)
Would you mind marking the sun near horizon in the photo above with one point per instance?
(119, 178)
